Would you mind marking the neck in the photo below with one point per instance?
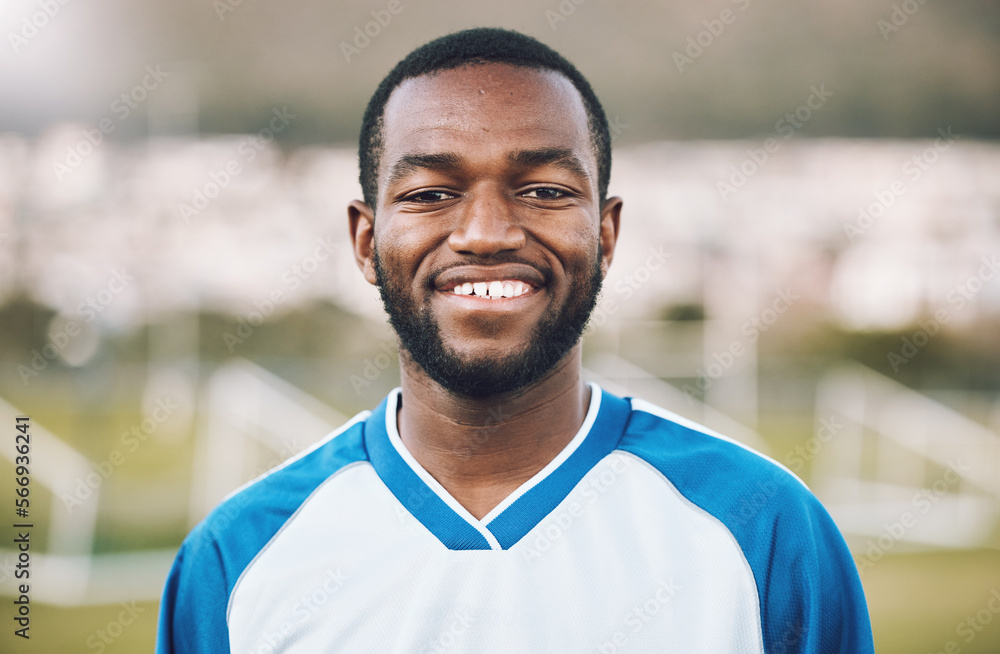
(482, 449)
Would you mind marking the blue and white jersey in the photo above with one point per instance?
(647, 533)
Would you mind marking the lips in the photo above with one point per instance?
(493, 282)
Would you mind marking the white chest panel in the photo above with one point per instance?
(623, 564)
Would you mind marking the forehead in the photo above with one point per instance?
(485, 108)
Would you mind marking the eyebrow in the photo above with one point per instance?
(444, 161)
(447, 161)
(559, 157)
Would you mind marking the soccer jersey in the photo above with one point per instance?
(647, 533)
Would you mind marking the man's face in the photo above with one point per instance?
(489, 247)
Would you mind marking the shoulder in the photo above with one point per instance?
(261, 506)
(236, 530)
(728, 479)
(799, 560)
(217, 551)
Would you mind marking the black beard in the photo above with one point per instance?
(553, 337)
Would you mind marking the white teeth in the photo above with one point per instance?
(493, 290)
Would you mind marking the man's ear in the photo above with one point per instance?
(362, 223)
(610, 213)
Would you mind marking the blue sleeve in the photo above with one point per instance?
(193, 610)
(195, 601)
(810, 593)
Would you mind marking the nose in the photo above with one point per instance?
(488, 227)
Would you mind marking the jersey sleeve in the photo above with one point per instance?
(811, 597)
(195, 599)
(808, 586)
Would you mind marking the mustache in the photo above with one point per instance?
(498, 259)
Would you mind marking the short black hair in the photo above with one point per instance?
(481, 45)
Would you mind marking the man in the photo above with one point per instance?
(497, 502)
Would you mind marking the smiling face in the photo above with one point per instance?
(490, 244)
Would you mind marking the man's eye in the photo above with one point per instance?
(429, 196)
(545, 193)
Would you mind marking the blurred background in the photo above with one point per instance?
(809, 262)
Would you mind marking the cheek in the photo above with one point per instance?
(399, 251)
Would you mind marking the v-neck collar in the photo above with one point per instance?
(520, 511)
